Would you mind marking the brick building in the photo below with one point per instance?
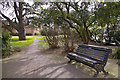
(28, 29)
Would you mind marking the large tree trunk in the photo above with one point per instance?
(19, 26)
(21, 34)
(21, 30)
(87, 35)
(21, 23)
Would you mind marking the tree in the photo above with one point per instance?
(78, 17)
(107, 16)
(20, 9)
(50, 19)
(8, 27)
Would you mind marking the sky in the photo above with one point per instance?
(8, 12)
(30, 2)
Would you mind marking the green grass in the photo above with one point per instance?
(15, 38)
(21, 43)
(43, 44)
(41, 38)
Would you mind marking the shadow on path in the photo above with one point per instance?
(32, 65)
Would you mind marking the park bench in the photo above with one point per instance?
(94, 57)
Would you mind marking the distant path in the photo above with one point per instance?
(33, 64)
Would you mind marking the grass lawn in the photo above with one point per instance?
(42, 45)
(16, 43)
(15, 38)
(40, 38)
(21, 43)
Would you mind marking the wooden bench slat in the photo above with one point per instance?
(90, 56)
(92, 53)
(85, 58)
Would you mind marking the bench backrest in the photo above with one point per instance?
(96, 53)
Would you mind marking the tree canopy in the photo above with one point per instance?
(80, 16)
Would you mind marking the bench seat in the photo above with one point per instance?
(94, 57)
(83, 58)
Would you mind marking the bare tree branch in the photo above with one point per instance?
(7, 27)
(20, 11)
(68, 17)
(16, 13)
(10, 21)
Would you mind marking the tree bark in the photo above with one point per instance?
(20, 25)
(87, 35)
(21, 34)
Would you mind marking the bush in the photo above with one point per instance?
(37, 33)
(118, 35)
(41, 38)
(69, 39)
(42, 31)
(29, 34)
(117, 54)
(15, 34)
(6, 37)
(51, 37)
(50, 32)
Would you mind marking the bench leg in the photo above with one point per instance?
(106, 73)
(96, 74)
(69, 61)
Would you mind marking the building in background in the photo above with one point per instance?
(28, 29)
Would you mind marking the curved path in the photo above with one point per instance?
(33, 64)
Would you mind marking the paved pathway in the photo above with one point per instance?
(33, 64)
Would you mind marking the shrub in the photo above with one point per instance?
(49, 31)
(69, 39)
(15, 34)
(51, 37)
(41, 38)
(37, 33)
(117, 35)
(6, 37)
(29, 34)
(117, 54)
(42, 31)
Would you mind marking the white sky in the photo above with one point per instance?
(7, 12)
(29, 1)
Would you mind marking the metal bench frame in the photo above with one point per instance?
(94, 57)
